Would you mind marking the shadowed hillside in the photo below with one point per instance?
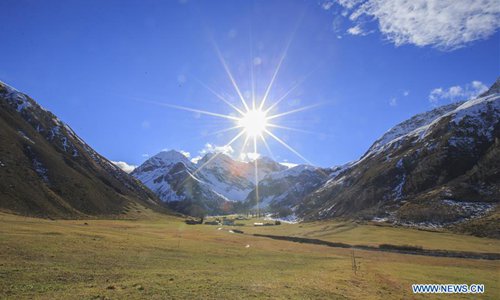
(46, 170)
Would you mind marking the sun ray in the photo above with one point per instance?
(291, 89)
(293, 111)
(220, 97)
(273, 78)
(245, 143)
(287, 146)
(230, 75)
(196, 110)
(252, 75)
(292, 129)
(267, 146)
(278, 67)
(223, 130)
(282, 98)
(256, 174)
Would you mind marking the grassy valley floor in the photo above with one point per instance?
(160, 257)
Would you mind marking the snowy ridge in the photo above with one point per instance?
(216, 174)
(291, 172)
(420, 125)
(447, 152)
(284, 190)
(411, 125)
(15, 97)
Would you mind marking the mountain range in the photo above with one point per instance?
(438, 168)
(212, 184)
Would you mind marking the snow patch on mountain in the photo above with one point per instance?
(408, 126)
(216, 173)
(16, 98)
(421, 125)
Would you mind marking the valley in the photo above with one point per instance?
(160, 257)
(250, 149)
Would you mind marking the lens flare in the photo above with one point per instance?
(254, 122)
(253, 119)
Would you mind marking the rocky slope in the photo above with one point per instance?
(439, 167)
(211, 184)
(282, 191)
(47, 170)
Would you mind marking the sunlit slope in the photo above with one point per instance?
(435, 169)
(162, 258)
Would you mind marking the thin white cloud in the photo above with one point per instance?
(185, 153)
(393, 102)
(228, 150)
(457, 92)
(124, 166)
(248, 156)
(196, 159)
(349, 3)
(356, 30)
(327, 5)
(406, 93)
(210, 148)
(443, 24)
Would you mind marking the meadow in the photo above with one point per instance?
(159, 257)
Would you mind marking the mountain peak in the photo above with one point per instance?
(494, 89)
(169, 156)
(215, 156)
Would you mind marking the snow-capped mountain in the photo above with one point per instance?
(212, 182)
(161, 170)
(449, 153)
(47, 170)
(225, 175)
(284, 190)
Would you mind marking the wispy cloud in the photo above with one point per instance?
(443, 24)
(124, 166)
(457, 92)
(394, 101)
(211, 148)
(248, 156)
(356, 30)
(185, 153)
(327, 5)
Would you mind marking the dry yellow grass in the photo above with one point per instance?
(162, 258)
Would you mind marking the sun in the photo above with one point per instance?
(253, 116)
(254, 122)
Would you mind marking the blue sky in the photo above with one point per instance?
(100, 65)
